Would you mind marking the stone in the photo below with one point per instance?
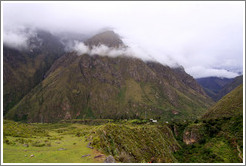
(88, 146)
(26, 145)
(109, 159)
(101, 155)
(85, 155)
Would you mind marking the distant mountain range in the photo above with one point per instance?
(48, 84)
(216, 87)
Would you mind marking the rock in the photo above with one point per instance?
(88, 146)
(193, 133)
(85, 155)
(26, 145)
(32, 155)
(101, 155)
(109, 159)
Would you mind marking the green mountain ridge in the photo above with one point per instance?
(103, 87)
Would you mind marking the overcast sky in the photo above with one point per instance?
(206, 38)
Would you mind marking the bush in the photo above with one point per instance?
(125, 158)
(38, 144)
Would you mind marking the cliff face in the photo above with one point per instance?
(194, 133)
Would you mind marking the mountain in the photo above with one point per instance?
(226, 121)
(229, 87)
(93, 86)
(213, 85)
(108, 38)
(230, 105)
(24, 69)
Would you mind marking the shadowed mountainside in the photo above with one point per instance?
(24, 69)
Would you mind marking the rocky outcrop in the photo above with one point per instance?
(193, 133)
(109, 159)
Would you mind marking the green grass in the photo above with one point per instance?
(128, 141)
(46, 148)
(230, 105)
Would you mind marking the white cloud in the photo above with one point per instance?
(206, 34)
(80, 48)
(200, 71)
(16, 40)
(104, 50)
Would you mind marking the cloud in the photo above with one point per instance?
(200, 72)
(206, 34)
(16, 39)
(80, 48)
(104, 50)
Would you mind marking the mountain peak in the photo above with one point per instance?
(108, 38)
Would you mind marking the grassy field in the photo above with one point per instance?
(59, 143)
(128, 141)
(88, 141)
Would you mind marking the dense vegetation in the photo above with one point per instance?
(218, 135)
(136, 143)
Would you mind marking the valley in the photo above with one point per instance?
(95, 102)
(216, 137)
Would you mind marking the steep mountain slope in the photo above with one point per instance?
(103, 87)
(24, 69)
(218, 135)
(213, 85)
(229, 106)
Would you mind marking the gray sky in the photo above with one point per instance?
(204, 37)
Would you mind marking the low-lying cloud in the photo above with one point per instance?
(200, 72)
(16, 39)
(204, 34)
(104, 50)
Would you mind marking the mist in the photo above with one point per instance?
(206, 38)
(104, 50)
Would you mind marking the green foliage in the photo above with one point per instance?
(136, 143)
(222, 133)
(17, 129)
(137, 121)
(216, 150)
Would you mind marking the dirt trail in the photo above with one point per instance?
(239, 153)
